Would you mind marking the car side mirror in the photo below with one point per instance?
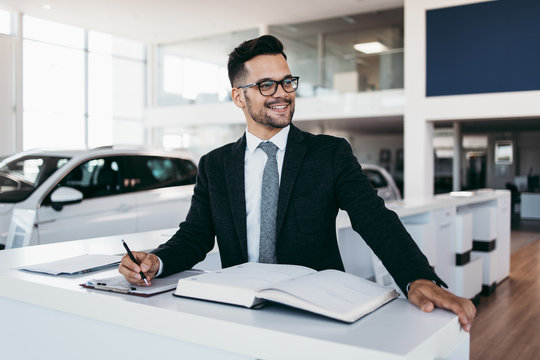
(64, 196)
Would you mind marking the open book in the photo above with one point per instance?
(330, 293)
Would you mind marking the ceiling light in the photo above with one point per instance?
(370, 47)
(47, 7)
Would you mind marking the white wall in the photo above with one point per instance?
(421, 112)
(7, 130)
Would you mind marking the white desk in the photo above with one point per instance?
(53, 317)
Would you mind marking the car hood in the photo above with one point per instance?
(5, 208)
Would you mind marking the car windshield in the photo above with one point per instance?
(20, 177)
(376, 179)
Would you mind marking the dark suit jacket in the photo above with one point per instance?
(320, 175)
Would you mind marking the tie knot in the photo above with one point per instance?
(269, 148)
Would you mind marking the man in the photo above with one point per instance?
(316, 175)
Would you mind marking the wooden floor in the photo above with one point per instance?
(507, 324)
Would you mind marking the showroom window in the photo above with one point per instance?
(53, 84)
(5, 22)
(354, 53)
(80, 89)
(116, 90)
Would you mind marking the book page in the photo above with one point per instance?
(332, 293)
(238, 284)
(255, 276)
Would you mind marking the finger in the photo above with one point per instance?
(150, 265)
(132, 277)
(462, 307)
(417, 298)
(130, 270)
(129, 264)
(147, 263)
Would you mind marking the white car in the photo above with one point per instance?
(54, 196)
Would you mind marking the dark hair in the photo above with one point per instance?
(263, 45)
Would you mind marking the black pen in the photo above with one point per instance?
(130, 254)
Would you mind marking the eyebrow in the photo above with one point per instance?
(267, 79)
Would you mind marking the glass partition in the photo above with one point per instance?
(329, 55)
(354, 53)
(195, 71)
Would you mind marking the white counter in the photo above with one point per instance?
(530, 205)
(433, 224)
(51, 316)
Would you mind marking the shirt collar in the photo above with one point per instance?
(280, 139)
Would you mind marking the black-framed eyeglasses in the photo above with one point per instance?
(269, 87)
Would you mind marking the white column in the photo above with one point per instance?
(152, 63)
(418, 157)
(418, 132)
(321, 59)
(456, 163)
(7, 120)
(19, 85)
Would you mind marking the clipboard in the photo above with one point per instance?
(118, 284)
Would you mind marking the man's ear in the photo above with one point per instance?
(237, 96)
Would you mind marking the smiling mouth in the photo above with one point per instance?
(278, 107)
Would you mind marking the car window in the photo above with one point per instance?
(152, 172)
(96, 177)
(376, 179)
(20, 177)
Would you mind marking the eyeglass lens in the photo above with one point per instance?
(269, 87)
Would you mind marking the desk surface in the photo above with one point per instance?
(398, 330)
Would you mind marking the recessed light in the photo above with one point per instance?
(374, 47)
(47, 7)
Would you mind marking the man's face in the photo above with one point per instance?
(274, 111)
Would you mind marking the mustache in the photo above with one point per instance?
(278, 101)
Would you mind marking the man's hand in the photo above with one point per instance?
(130, 270)
(426, 295)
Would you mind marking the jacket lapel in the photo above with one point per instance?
(294, 154)
(234, 175)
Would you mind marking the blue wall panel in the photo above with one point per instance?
(483, 48)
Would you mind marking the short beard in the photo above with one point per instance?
(264, 119)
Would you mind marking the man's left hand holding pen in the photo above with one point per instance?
(149, 266)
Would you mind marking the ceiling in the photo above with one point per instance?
(382, 125)
(167, 21)
(494, 125)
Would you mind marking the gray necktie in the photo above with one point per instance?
(269, 200)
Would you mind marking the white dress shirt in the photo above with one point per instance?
(254, 162)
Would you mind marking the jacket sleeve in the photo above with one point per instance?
(195, 236)
(380, 227)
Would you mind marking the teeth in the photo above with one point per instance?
(278, 107)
